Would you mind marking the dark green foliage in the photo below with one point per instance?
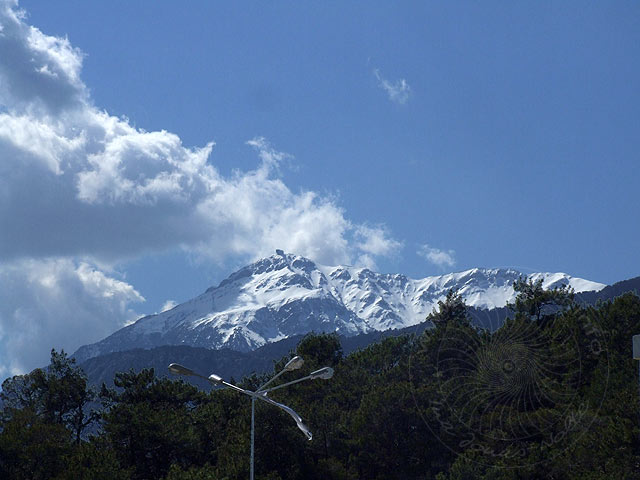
(536, 303)
(149, 423)
(32, 448)
(60, 394)
(323, 349)
(450, 311)
(43, 418)
(551, 394)
(93, 460)
(206, 472)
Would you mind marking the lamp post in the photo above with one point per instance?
(636, 356)
(262, 392)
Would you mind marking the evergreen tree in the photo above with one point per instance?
(58, 394)
(551, 394)
(534, 302)
(149, 423)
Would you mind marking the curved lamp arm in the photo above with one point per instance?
(218, 380)
(290, 411)
(293, 364)
(325, 373)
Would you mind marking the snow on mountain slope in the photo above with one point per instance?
(285, 295)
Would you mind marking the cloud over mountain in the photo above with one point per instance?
(439, 258)
(57, 303)
(79, 186)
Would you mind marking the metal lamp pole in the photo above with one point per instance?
(636, 356)
(262, 392)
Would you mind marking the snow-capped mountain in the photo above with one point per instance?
(285, 295)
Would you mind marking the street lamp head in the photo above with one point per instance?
(215, 379)
(293, 364)
(324, 373)
(178, 369)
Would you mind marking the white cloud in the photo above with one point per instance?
(92, 184)
(398, 91)
(168, 305)
(440, 258)
(56, 303)
(374, 242)
(79, 183)
(39, 72)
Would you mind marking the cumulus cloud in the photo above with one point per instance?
(39, 72)
(168, 305)
(375, 242)
(100, 187)
(440, 258)
(56, 303)
(79, 183)
(398, 91)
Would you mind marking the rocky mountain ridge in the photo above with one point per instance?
(286, 295)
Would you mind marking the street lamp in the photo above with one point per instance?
(636, 354)
(262, 392)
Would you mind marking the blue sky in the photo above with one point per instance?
(147, 149)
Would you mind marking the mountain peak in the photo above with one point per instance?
(286, 294)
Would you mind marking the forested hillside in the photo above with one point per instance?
(553, 393)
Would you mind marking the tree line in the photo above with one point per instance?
(553, 393)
